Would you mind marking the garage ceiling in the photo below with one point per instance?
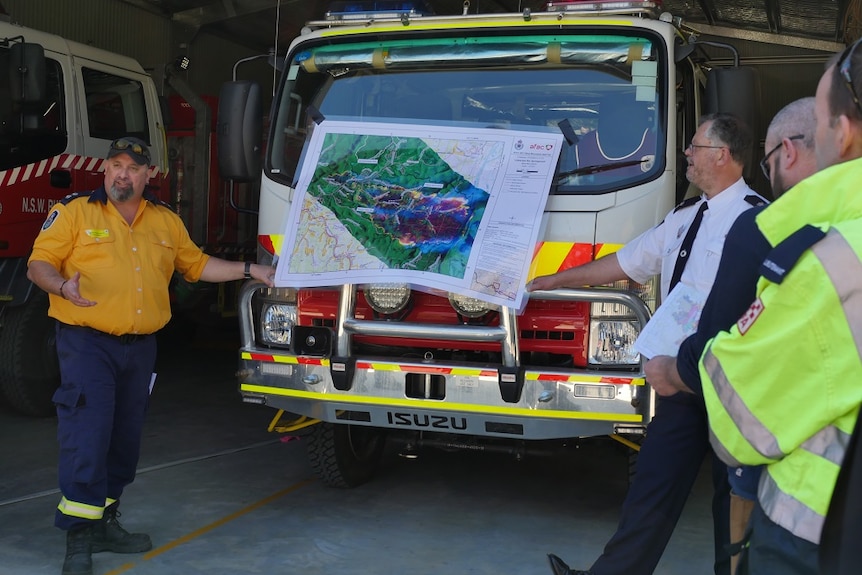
(775, 21)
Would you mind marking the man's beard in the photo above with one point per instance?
(121, 193)
(777, 184)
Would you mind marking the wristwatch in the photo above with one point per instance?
(248, 270)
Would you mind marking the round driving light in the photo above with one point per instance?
(387, 298)
(470, 306)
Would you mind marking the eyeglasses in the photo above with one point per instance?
(764, 163)
(843, 67)
(122, 145)
(693, 146)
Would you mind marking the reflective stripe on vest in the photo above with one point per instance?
(844, 269)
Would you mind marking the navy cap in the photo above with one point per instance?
(135, 148)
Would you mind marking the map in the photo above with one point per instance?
(454, 209)
(675, 319)
(391, 202)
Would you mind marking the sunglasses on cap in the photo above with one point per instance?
(843, 67)
(123, 145)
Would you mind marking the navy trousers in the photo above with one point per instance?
(773, 550)
(101, 405)
(668, 464)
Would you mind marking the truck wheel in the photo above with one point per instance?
(344, 455)
(29, 370)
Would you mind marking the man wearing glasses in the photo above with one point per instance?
(789, 159)
(685, 248)
(794, 413)
(106, 258)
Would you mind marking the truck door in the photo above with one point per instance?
(115, 105)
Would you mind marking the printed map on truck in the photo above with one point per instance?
(441, 208)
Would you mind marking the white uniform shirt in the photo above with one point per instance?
(656, 249)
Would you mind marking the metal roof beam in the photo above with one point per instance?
(767, 38)
(708, 9)
(220, 11)
(773, 15)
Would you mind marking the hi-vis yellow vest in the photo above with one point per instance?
(783, 387)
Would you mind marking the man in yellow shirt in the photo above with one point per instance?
(106, 258)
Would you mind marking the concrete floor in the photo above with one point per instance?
(220, 495)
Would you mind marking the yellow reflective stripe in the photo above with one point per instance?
(844, 269)
(436, 24)
(437, 406)
(757, 434)
(788, 512)
(606, 249)
(82, 510)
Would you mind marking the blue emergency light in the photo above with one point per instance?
(377, 10)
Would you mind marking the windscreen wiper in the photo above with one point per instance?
(586, 170)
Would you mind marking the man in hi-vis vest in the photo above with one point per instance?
(782, 387)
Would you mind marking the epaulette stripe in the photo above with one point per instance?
(75, 195)
(784, 256)
(686, 203)
(755, 200)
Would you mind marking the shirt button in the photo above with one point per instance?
(134, 249)
(139, 311)
(139, 289)
(137, 269)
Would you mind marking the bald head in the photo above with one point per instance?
(789, 147)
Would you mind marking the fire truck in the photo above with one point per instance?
(352, 368)
(61, 104)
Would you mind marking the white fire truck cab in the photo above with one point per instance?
(61, 104)
(353, 366)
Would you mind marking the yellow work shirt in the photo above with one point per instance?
(125, 268)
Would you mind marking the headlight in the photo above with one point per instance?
(276, 322)
(611, 342)
(387, 298)
(469, 306)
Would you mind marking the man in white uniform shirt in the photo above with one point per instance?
(686, 247)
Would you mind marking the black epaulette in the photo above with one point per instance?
(75, 195)
(784, 256)
(755, 200)
(150, 196)
(686, 203)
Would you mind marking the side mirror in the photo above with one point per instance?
(238, 129)
(27, 75)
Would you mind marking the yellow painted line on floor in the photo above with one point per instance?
(206, 529)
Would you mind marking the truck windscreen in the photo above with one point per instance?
(604, 92)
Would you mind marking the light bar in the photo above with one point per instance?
(603, 5)
(381, 10)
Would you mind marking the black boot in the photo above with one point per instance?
(559, 567)
(109, 535)
(78, 552)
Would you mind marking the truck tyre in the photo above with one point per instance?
(30, 371)
(344, 455)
